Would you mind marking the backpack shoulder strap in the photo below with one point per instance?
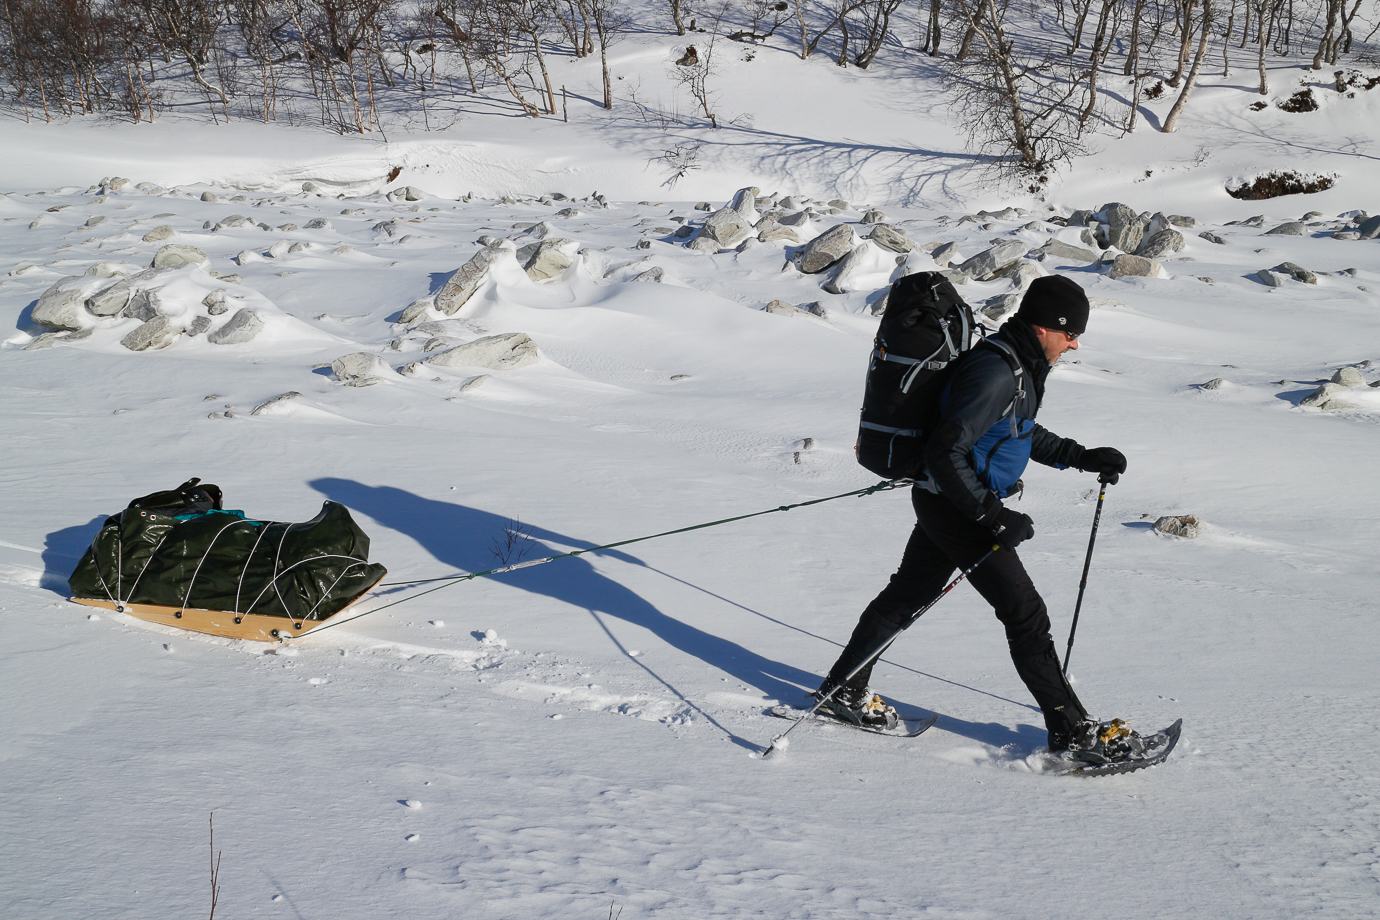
(1017, 371)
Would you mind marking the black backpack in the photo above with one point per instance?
(925, 327)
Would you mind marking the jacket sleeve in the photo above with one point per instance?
(981, 390)
(1048, 448)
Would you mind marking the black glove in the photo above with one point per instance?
(1107, 462)
(1011, 528)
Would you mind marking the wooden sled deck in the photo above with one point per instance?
(254, 626)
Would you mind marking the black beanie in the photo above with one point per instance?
(1055, 302)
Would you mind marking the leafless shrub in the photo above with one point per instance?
(1277, 184)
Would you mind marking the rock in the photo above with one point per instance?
(794, 219)
(745, 202)
(780, 308)
(214, 302)
(1346, 235)
(233, 222)
(1212, 238)
(1329, 396)
(955, 277)
(158, 332)
(776, 234)
(1179, 220)
(49, 339)
(1124, 227)
(1021, 273)
(467, 279)
(179, 254)
(1185, 525)
(703, 244)
(287, 228)
(1214, 384)
(440, 342)
(549, 260)
(199, 325)
(246, 256)
(1292, 228)
(839, 203)
(789, 203)
(242, 327)
(567, 213)
(415, 312)
(846, 266)
(890, 236)
(276, 403)
(826, 249)
(143, 305)
(1269, 278)
(299, 247)
(112, 300)
(873, 217)
(653, 274)
(473, 382)
(999, 308)
(342, 249)
(60, 307)
(1081, 218)
(727, 227)
(318, 223)
(1348, 377)
(1297, 272)
(208, 196)
(1134, 266)
(988, 262)
(106, 269)
(1160, 244)
(1058, 249)
(357, 366)
(279, 249)
(158, 234)
(406, 193)
(945, 254)
(498, 352)
(1369, 228)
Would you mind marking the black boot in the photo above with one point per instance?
(857, 704)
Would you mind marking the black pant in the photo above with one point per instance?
(943, 541)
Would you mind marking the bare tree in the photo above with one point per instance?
(1171, 120)
(610, 19)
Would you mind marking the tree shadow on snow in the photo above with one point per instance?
(463, 538)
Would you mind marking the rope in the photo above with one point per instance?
(883, 486)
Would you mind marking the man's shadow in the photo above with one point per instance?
(463, 538)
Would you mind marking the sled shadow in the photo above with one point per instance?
(463, 539)
(61, 551)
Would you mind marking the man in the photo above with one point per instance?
(974, 459)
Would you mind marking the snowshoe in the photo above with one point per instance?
(1096, 742)
(858, 705)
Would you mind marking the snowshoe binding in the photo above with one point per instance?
(858, 705)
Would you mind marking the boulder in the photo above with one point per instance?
(276, 404)
(1346, 235)
(1269, 278)
(1122, 227)
(280, 249)
(839, 203)
(945, 254)
(1161, 244)
(549, 260)
(60, 307)
(406, 193)
(214, 302)
(780, 308)
(179, 254)
(415, 312)
(143, 305)
(1058, 249)
(1297, 272)
(1212, 238)
(1348, 377)
(998, 309)
(992, 260)
(794, 219)
(727, 227)
(498, 352)
(158, 234)
(846, 266)
(106, 269)
(318, 223)
(1020, 272)
(826, 249)
(1134, 267)
(466, 280)
(1292, 228)
(790, 203)
(199, 325)
(358, 366)
(158, 332)
(890, 236)
(703, 244)
(745, 202)
(208, 196)
(1329, 396)
(873, 217)
(1184, 525)
(1181, 220)
(1369, 228)
(1215, 383)
(242, 327)
(776, 234)
(655, 274)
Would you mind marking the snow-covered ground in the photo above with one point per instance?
(580, 738)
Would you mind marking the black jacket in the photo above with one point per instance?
(980, 393)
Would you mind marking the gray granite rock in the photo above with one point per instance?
(1181, 220)
(199, 325)
(159, 233)
(241, 328)
(890, 236)
(1212, 238)
(179, 254)
(1291, 228)
(655, 274)
(727, 227)
(1161, 244)
(1124, 228)
(1134, 266)
(987, 263)
(873, 217)
(1369, 228)
(1348, 377)
(214, 302)
(826, 249)
(1183, 525)
(158, 332)
(357, 365)
(1329, 396)
(112, 300)
(1297, 272)
(549, 259)
(944, 254)
(777, 234)
(1269, 278)
(497, 352)
(847, 266)
(1058, 249)
(60, 307)
(466, 280)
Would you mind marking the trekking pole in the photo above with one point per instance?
(1092, 538)
(878, 652)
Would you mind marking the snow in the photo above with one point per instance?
(586, 734)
